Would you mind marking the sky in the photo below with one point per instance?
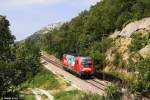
(28, 16)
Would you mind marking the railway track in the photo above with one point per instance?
(98, 84)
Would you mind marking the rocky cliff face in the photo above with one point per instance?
(132, 27)
(120, 51)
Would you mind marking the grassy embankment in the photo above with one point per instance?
(48, 81)
(44, 80)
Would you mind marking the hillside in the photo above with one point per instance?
(86, 30)
(115, 33)
(127, 50)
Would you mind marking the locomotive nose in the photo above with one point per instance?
(86, 70)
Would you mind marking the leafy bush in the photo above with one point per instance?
(113, 92)
(141, 80)
(117, 59)
(138, 86)
(91, 97)
(138, 42)
(97, 51)
(124, 17)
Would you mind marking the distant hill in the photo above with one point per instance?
(38, 36)
(49, 27)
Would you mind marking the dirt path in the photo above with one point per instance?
(35, 92)
(41, 94)
(50, 97)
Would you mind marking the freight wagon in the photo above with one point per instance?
(82, 66)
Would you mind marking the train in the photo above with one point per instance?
(80, 65)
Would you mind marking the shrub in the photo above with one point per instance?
(141, 80)
(113, 92)
(138, 42)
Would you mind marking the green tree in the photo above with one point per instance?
(6, 54)
(6, 40)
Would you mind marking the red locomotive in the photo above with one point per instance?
(80, 65)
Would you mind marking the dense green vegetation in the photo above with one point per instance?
(139, 65)
(141, 82)
(18, 62)
(113, 93)
(6, 39)
(138, 42)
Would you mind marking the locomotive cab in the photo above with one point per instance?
(86, 66)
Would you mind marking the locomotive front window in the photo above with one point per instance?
(86, 62)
